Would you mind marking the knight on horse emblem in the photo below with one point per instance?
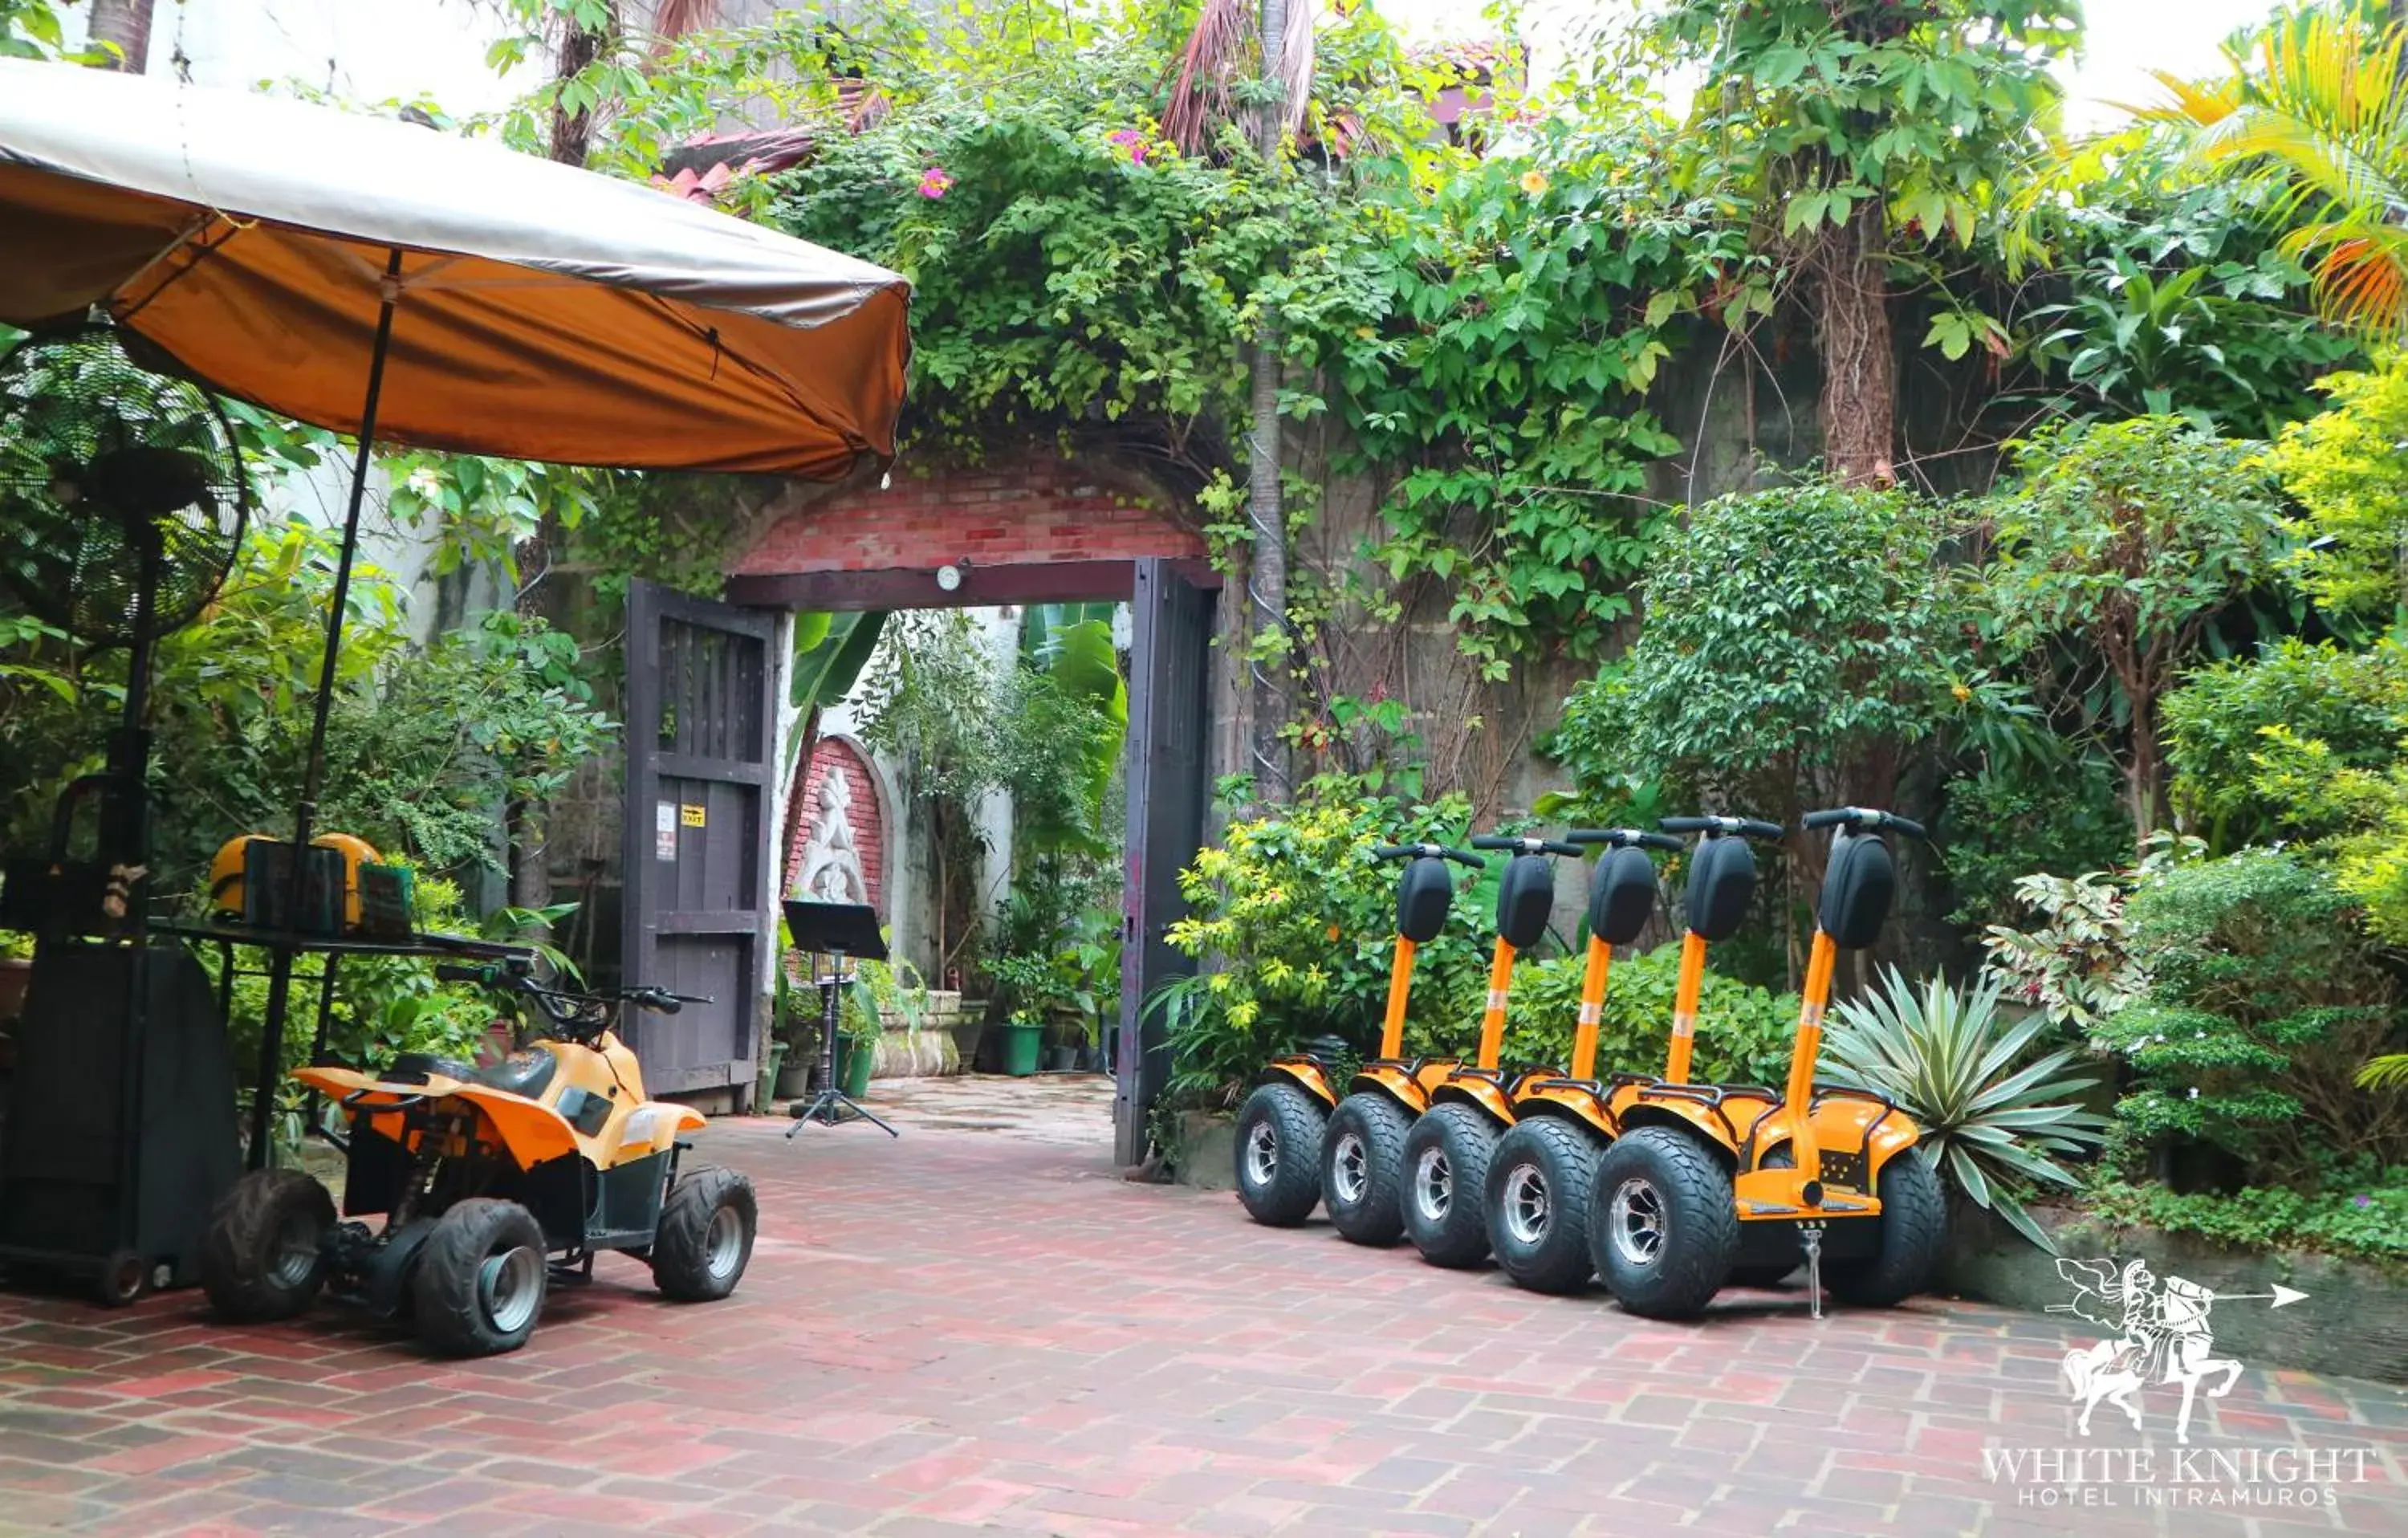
(2165, 1339)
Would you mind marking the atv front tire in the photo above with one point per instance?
(1913, 1227)
(1663, 1223)
(1446, 1177)
(481, 1279)
(263, 1258)
(1279, 1132)
(1363, 1166)
(1539, 1182)
(706, 1235)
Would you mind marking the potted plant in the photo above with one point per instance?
(1021, 1036)
(796, 1023)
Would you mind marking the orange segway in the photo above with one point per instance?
(1447, 1152)
(1732, 1177)
(1283, 1124)
(1536, 1196)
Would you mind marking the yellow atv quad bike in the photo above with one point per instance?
(1745, 1177)
(1536, 1196)
(493, 1183)
(1282, 1125)
(1446, 1151)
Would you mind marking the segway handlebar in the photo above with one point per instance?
(1525, 844)
(1623, 836)
(1860, 816)
(1747, 828)
(1427, 852)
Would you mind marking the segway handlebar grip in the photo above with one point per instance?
(1527, 843)
(451, 971)
(1427, 852)
(1623, 838)
(1657, 840)
(1864, 817)
(1749, 828)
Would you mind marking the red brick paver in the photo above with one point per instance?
(969, 1331)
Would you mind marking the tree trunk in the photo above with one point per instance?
(127, 24)
(572, 135)
(1267, 573)
(1852, 332)
(2148, 768)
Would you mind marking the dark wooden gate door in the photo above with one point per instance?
(700, 720)
(1169, 715)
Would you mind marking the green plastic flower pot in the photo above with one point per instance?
(1020, 1044)
(854, 1062)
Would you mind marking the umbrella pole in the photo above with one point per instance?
(280, 976)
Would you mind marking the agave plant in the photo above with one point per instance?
(1949, 1060)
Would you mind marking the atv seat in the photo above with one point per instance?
(527, 1073)
(419, 1066)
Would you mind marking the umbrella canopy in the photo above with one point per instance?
(541, 311)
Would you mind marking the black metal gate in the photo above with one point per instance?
(1169, 712)
(701, 716)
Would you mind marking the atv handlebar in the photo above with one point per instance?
(565, 1006)
(1859, 816)
(1427, 852)
(1527, 844)
(1747, 828)
(1621, 838)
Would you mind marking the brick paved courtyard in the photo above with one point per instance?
(979, 1329)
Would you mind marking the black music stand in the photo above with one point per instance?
(835, 930)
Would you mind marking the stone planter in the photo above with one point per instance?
(2354, 1322)
(906, 1053)
(1203, 1154)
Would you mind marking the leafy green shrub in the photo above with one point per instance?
(2003, 823)
(2113, 555)
(1794, 637)
(2349, 469)
(1991, 1120)
(2265, 998)
(1294, 922)
(2233, 730)
(2368, 1223)
(1743, 1031)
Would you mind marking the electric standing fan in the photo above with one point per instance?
(122, 501)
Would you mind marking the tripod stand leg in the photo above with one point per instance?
(829, 1107)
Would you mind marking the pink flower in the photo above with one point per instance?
(1131, 140)
(934, 183)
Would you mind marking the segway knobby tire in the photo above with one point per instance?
(1913, 1227)
(1278, 1156)
(705, 1240)
(262, 1258)
(481, 1279)
(1538, 1183)
(1663, 1225)
(1362, 1168)
(1446, 1174)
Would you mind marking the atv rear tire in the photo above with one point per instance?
(1539, 1182)
(481, 1279)
(263, 1258)
(1663, 1225)
(1913, 1227)
(1278, 1158)
(1363, 1166)
(1446, 1180)
(706, 1235)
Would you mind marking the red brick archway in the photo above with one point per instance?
(1034, 530)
